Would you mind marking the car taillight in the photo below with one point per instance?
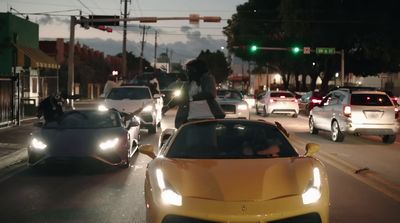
(295, 100)
(347, 110)
(396, 113)
(316, 101)
(271, 100)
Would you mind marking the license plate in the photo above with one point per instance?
(373, 115)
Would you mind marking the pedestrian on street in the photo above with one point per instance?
(51, 107)
(154, 85)
(198, 96)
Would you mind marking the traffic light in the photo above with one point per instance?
(253, 48)
(295, 50)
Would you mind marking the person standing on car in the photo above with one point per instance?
(111, 83)
(51, 108)
(198, 96)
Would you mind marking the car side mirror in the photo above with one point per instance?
(133, 123)
(148, 150)
(38, 124)
(156, 96)
(312, 149)
(165, 135)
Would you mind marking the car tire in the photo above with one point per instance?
(265, 112)
(313, 130)
(295, 115)
(152, 129)
(336, 134)
(126, 163)
(389, 139)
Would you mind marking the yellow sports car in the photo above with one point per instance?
(233, 171)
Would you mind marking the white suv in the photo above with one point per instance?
(130, 99)
(358, 112)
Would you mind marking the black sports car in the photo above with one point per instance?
(86, 135)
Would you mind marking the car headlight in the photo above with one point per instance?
(38, 144)
(168, 196)
(313, 193)
(102, 108)
(148, 108)
(242, 107)
(177, 93)
(108, 144)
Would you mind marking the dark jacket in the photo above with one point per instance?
(50, 109)
(208, 92)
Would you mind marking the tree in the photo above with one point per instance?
(216, 64)
(365, 29)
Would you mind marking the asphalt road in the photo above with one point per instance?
(87, 194)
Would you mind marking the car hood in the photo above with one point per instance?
(126, 105)
(237, 180)
(77, 141)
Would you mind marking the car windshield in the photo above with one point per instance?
(370, 100)
(86, 120)
(281, 95)
(132, 93)
(226, 94)
(230, 140)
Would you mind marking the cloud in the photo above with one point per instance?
(186, 29)
(47, 19)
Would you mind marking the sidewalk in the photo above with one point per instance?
(13, 143)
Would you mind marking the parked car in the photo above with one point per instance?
(277, 102)
(233, 171)
(355, 111)
(130, 99)
(233, 104)
(86, 135)
(309, 100)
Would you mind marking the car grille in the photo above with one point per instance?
(182, 219)
(229, 108)
(307, 218)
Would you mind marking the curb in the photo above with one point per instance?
(13, 158)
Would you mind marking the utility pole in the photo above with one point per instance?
(342, 67)
(71, 67)
(124, 75)
(155, 52)
(141, 51)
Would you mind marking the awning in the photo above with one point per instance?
(38, 59)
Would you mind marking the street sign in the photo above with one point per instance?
(109, 23)
(306, 50)
(325, 50)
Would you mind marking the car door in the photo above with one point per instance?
(319, 113)
(329, 111)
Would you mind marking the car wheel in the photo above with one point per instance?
(295, 115)
(257, 112)
(152, 129)
(265, 112)
(389, 139)
(313, 130)
(336, 134)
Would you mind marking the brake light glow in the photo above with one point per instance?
(271, 100)
(282, 96)
(347, 110)
(295, 100)
(396, 113)
(316, 101)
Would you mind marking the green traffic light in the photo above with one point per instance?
(296, 50)
(253, 48)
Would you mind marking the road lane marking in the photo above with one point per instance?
(369, 177)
